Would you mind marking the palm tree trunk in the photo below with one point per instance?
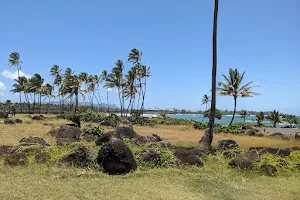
(208, 135)
(120, 102)
(107, 100)
(144, 94)
(234, 111)
(76, 103)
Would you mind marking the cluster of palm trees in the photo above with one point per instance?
(68, 86)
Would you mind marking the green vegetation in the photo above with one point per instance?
(244, 114)
(275, 117)
(259, 118)
(218, 114)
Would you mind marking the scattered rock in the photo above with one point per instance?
(227, 144)
(116, 158)
(47, 124)
(231, 154)
(104, 138)
(53, 132)
(80, 157)
(3, 114)
(295, 149)
(9, 121)
(37, 117)
(149, 138)
(33, 141)
(89, 138)
(16, 159)
(260, 135)
(42, 158)
(149, 155)
(297, 136)
(187, 157)
(273, 151)
(124, 132)
(276, 134)
(67, 134)
(4, 150)
(198, 152)
(246, 160)
(72, 124)
(268, 170)
(250, 132)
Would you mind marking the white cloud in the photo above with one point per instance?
(1, 94)
(14, 75)
(2, 86)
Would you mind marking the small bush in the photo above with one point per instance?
(200, 125)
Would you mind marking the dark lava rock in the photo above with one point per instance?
(33, 141)
(42, 158)
(227, 144)
(198, 152)
(187, 157)
(89, 138)
(149, 155)
(80, 157)
(124, 132)
(268, 170)
(297, 136)
(231, 154)
(3, 114)
(9, 121)
(53, 132)
(72, 124)
(246, 160)
(76, 119)
(116, 158)
(39, 117)
(276, 134)
(250, 132)
(260, 135)
(16, 159)
(273, 151)
(4, 150)
(104, 138)
(295, 149)
(67, 134)
(149, 138)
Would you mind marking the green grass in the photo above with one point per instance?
(216, 180)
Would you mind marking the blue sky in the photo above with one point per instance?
(259, 37)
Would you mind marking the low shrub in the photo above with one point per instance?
(200, 125)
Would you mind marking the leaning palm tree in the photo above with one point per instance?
(205, 101)
(232, 87)
(259, 117)
(14, 61)
(275, 117)
(244, 114)
(208, 135)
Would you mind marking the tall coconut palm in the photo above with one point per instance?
(103, 77)
(145, 73)
(208, 136)
(130, 87)
(56, 72)
(233, 87)
(205, 101)
(14, 61)
(259, 118)
(244, 114)
(275, 117)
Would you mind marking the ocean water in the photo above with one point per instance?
(225, 119)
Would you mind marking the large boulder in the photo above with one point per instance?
(89, 138)
(116, 158)
(187, 157)
(80, 157)
(53, 132)
(276, 134)
(16, 159)
(231, 154)
(149, 138)
(246, 160)
(104, 138)
(149, 155)
(227, 144)
(250, 132)
(67, 134)
(4, 150)
(33, 141)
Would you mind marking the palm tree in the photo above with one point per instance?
(103, 77)
(244, 114)
(115, 79)
(208, 136)
(35, 87)
(14, 61)
(145, 73)
(275, 117)
(55, 71)
(259, 118)
(205, 101)
(233, 88)
(130, 87)
(47, 90)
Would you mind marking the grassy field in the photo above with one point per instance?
(213, 181)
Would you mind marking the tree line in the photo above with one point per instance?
(69, 86)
